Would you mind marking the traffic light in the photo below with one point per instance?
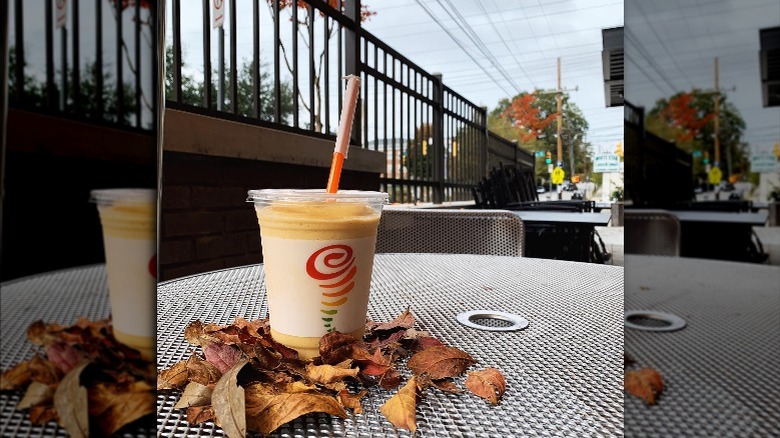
(619, 150)
(706, 159)
(548, 159)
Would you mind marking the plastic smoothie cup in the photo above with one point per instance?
(128, 217)
(318, 253)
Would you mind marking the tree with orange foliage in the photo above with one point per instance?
(526, 117)
(339, 5)
(686, 118)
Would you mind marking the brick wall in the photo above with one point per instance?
(206, 223)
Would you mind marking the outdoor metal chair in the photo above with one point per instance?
(484, 232)
(651, 232)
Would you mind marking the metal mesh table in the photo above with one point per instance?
(722, 371)
(59, 296)
(564, 372)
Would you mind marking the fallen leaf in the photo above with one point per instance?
(440, 362)
(16, 377)
(199, 414)
(201, 371)
(193, 332)
(371, 364)
(446, 385)
(335, 347)
(43, 371)
(37, 394)
(390, 379)
(328, 373)
(64, 356)
(646, 384)
(194, 394)
(42, 414)
(403, 321)
(126, 408)
(400, 408)
(38, 333)
(174, 377)
(352, 401)
(228, 402)
(221, 355)
(70, 401)
(424, 342)
(268, 409)
(488, 384)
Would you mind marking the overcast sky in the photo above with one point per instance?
(671, 47)
(524, 37)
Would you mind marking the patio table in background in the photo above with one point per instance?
(564, 371)
(560, 235)
(719, 235)
(722, 371)
(59, 296)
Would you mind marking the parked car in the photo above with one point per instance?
(569, 186)
(540, 189)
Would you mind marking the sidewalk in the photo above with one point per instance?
(613, 241)
(770, 239)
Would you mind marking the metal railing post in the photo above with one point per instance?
(485, 144)
(352, 63)
(438, 139)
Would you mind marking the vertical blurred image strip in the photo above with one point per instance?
(79, 178)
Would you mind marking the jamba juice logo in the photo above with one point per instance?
(334, 268)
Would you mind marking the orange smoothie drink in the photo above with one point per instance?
(318, 252)
(128, 217)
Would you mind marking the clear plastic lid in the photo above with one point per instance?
(297, 196)
(129, 195)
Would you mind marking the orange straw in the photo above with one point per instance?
(342, 136)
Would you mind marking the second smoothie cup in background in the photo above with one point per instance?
(128, 217)
(318, 253)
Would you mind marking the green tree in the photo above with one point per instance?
(419, 153)
(678, 118)
(573, 132)
(192, 91)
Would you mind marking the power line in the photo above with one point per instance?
(505, 44)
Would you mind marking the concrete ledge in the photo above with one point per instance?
(199, 134)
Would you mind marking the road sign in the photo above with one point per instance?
(557, 175)
(715, 175)
(539, 154)
(218, 12)
(549, 168)
(606, 163)
(697, 154)
(763, 163)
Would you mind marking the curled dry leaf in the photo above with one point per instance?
(64, 356)
(352, 401)
(37, 394)
(201, 371)
(400, 408)
(43, 371)
(16, 377)
(194, 394)
(193, 332)
(403, 321)
(335, 347)
(174, 377)
(423, 342)
(199, 414)
(267, 408)
(70, 401)
(646, 384)
(228, 402)
(328, 373)
(128, 404)
(488, 384)
(440, 362)
(42, 414)
(221, 355)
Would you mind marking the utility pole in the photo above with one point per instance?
(559, 99)
(717, 116)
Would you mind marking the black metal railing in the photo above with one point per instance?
(436, 142)
(86, 82)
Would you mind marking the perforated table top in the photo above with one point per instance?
(722, 371)
(564, 372)
(58, 296)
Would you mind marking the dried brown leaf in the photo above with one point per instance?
(38, 333)
(329, 373)
(352, 401)
(221, 355)
(64, 356)
(16, 377)
(390, 379)
(421, 343)
(70, 401)
(194, 394)
(400, 409)
(42, 414)
(403, 321)
(335, 347)
(193, 332)
(201, 371)
(127, 406)
(43, 371)
(174, 377)
(228, 402)
(268, 409)
(37, 394)
(488, 384)
(200, 414)
(646, 384)
(440, 362)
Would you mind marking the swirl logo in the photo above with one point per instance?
(334, 268)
